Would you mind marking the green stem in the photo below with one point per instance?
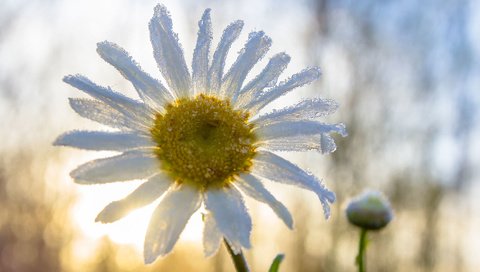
(238, 259)
(362, 248)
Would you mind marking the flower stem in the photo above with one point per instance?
(362, 248)
(238, 259)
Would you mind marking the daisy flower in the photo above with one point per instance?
(199, 139)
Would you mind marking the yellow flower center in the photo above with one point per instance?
(203, 141)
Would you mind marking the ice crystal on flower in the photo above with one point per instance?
(201, 138)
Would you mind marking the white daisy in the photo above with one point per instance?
(201, 140)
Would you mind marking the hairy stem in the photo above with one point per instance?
(238, 259)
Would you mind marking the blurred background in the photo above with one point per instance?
(406, 74)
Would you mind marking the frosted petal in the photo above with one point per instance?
(306, 109)
(323, 143)
(327, 144)
(169, 220)
(254, 188)
(102, 113)
(304, 77)
(101, 140)
(267, 78)
(215, 73)
(149, 89)
(145, 194)
(200, 54)
(168, 52)
(132, 109)
(212, 237)
(275, 168)
(298, 128)
(299, 143)
(230, 213)
(127, 166)
(255, 48)
(235, 246)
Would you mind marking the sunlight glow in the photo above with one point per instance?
(129, 230)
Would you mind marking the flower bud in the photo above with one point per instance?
(371, 211)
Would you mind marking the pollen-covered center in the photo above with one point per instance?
(203, 141)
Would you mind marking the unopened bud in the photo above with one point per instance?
(371, 211)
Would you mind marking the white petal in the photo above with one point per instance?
(320, 142)
(306, 109)
(235, 246)
(200, 54)
(275, 168)
(169, 220)
(134, 110)
(327, 144)
(230, 213)
(304, 77)
(168, 52)
(267, 78)
(102, 113)
(298, 128)
(127, 166)
(145, 194)
(149, 89)
(212, 237)
(255, 48)
(215, 73)
(101, 140)
(254, 188)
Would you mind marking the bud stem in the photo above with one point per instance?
(362, 248)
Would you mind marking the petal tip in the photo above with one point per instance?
(160, 9)
(59, 141)
(290, 223)
(316, 71)
(236, 27)
(74, 174)
(331, 197)
(284, 57)
(77, 177)
(76, 79)
(72, 101)
(341, 129)
(103, 44)
(239, 23)
(209, 253)
(149, 259)
(108, 215)
(100, 219)
(67, 79)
